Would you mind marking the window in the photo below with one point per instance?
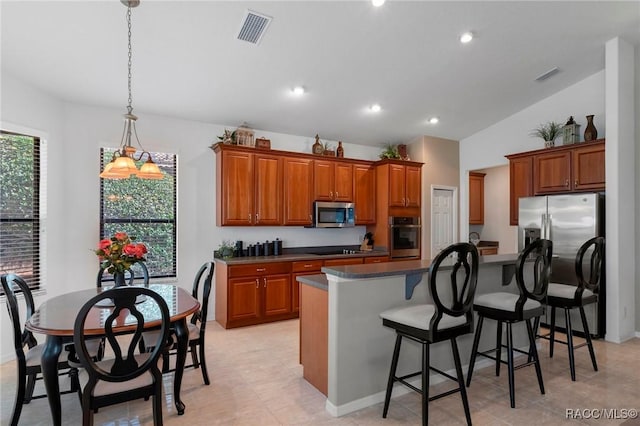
(144, 209)
(20, 207)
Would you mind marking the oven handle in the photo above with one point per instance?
(405, 226)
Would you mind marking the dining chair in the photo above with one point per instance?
(568, 297)
(448, 317)
(197, 324)
(534, 262)
(29, 368)
(126, 376)
(130, 275)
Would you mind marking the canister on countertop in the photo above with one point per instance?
(277, 247)
(258, 249)
(267, 248)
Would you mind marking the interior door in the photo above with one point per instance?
(442, 220)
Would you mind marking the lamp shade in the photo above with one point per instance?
(150, 170)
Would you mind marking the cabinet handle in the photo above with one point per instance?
(257, 283)
(257, 217)
(566, 183)
(310, 218)
(336, 195)
(331, 194)
(265, 282)
(261, 269)
(408, 200)
(249, 217)
(308, 266)
(404, 202)
(575, 183)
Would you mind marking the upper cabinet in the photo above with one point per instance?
(249, 189)
(476, 198)
(405, 184)
(364, 194)
(565, 169)
(333, 180)
(298, 191)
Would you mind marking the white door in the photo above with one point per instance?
(442, 220)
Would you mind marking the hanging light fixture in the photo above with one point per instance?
(122, 164)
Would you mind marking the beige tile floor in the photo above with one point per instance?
(256, 380)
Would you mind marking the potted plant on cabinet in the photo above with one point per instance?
(548, 131)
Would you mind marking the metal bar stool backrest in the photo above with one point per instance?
(593, 269)
(130, 275)
(454, 297)
(536, 256)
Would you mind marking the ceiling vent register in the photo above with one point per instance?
(253, 27)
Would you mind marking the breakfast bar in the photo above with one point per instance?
(358, 348)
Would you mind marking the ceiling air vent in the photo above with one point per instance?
(253, 26)
(546, 75)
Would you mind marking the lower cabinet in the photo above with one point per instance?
(310, 267)
(376, 259)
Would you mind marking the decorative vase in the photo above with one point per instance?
(590, 132)
(118, 277)
(549, 144)
(317, 147)
(340, 150)
(402, 151)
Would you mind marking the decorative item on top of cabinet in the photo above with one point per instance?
(402, 152)
(390, 152)
(317, 147)
(476, 198)
(570, 132)
(328, 150)
(340, 150)
(590, 132)
(263, 143)
(244, 135)
(228, 137)
(548, 132)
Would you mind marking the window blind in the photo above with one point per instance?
(20, 236)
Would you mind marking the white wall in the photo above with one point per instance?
(75, 134)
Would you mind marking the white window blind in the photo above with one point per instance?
(20, 216)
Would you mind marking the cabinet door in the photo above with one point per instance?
(243, 301)
(276, 294)
(588, 168)
(413, 183)
(298, 191)
(323, 175)
(520, 184)
(268, 190)
(396, 185)
(476, 198)
(237, 188)
(364, 196)
(552, 172)
(343, 182)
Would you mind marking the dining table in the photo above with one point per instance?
(55, 318)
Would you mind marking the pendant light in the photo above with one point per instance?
(122, 164)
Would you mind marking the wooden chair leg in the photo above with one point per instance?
(474, 349)
(498, 347)
(17, 406)
(552, 331)
(463, 390)
(534, 352)
(194, 354)
(512, 388)
(585, 328)
(572, 363)
(31, 384)
(203, 362)
(157, 405)
(425, 383)
(392, 375)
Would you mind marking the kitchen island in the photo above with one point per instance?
(359, 349)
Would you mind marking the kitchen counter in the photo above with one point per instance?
(299, 257)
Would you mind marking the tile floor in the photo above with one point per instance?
(256, 380)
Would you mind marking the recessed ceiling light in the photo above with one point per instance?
(298, 90)
(375, 108)
(466, 37)
(377, 3)
(434, 120)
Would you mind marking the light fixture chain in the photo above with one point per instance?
(129, 107)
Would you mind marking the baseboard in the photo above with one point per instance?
(638, 334)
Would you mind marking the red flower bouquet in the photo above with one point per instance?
(119, 252)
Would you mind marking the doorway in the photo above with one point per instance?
(444, 214)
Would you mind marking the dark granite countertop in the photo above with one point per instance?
(317, 280)
(298, 256)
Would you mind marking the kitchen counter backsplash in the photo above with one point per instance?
(301, 253)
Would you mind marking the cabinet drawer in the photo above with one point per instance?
(310, 265)
(344, 261)
(487, 251)
(259, 269)
(376, 259)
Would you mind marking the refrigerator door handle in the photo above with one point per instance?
(543, 230)
(548, 232)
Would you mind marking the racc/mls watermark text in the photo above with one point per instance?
(601, 413)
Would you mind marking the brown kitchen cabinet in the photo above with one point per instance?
(404, 185)
(343, 261)
(333, 181)
(298, 191)
(565, 169)
(486, 251)
(476, 198)
(364, 190)
(298, 269)
(249, 189)
(376, 259)
(253, 294)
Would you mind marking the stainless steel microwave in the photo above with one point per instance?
(333, 215)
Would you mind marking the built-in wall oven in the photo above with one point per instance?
(404, 237)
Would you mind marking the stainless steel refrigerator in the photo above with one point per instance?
(567, 220)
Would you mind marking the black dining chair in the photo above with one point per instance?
(568, 297)
(126, 376)
(509, 308)
(29, 368)
(137, 272)
(448, 317)
(201, 291)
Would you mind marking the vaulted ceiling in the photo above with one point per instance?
(348, 55)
